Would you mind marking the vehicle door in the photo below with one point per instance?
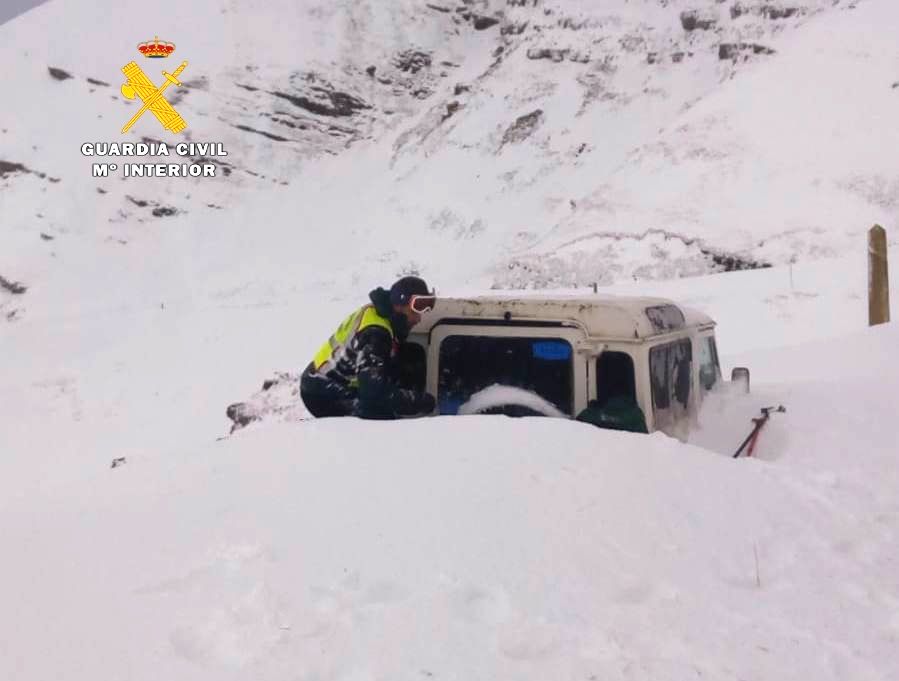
(467, 358)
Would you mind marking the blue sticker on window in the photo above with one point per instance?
(552, 350)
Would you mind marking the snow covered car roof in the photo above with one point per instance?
(602, 316)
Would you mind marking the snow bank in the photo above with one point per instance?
(472, 547)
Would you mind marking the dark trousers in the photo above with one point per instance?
(324, 398)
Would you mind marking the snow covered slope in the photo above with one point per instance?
(785, 160)
(517, 144)
(482, 547)
(278, 83)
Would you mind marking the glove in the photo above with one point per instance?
(426, 403)
(409, 403)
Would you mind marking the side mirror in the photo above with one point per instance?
(740, 376)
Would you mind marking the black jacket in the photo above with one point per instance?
(365, 372)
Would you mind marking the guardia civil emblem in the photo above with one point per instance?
(139, 85)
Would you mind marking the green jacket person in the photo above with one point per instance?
(350, 375)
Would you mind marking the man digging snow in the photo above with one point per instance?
(351, 375)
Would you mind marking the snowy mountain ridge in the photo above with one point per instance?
(515, 144)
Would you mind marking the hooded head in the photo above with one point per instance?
(404, 303)
(403, 289)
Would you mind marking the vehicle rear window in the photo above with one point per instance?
(469, 364)
(670, 368)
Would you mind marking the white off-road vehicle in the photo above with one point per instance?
(627, 363)
(576, 353)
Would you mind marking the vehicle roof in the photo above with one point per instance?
(604, 316)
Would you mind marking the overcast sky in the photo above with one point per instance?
(13, 8)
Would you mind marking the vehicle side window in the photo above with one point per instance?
(670, 367)
(468, 364)
(615, 377)
(709, 371)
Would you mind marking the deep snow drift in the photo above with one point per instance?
(452, 547)
(473, 547)
(457, 547)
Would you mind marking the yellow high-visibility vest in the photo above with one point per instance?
(329, 353)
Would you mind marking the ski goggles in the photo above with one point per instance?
(422, 304)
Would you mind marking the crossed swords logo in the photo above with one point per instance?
(140, 85)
